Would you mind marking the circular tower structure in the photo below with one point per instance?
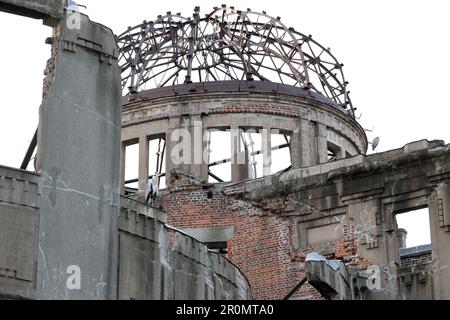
(212, 100)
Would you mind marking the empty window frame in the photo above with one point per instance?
(413, 228)
(261, 161)
(219, 155)
(332, 152)
(219, 247)
(131, 168)
(251, 142)
(157, 159)
(281, 151)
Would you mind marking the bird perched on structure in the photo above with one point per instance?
(152, 189)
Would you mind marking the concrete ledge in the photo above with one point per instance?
(406, 252)
(330, 278)
(19, 187)
(232, 86)
(414, 154)
(37, 9)
(213, 234)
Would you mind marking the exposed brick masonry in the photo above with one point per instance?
(415, 260)
(262, 245)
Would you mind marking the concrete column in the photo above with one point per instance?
(172, 139)
(239, 158)
(143, 164)
(198, 145)
(322, 148)
(309, 143)
(439, 210)
(266, 139)
(80, 124)
(444, 204)
(401, 237)
(341, 153)
(390, 236)
(296, 147)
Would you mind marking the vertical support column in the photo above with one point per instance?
(444, 205)
(198, 145)
(172, 140)
(390, 245)
(308, 143)
(322, 148)
(239, 158)
(341, 152)
(123, 156)
(439, 210)
(143, 165)
(266, 138)
(433, 212)
(80, 127)
(296, 147)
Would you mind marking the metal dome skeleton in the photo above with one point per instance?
(227, 44)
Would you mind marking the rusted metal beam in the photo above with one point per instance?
(296, 288)
(227, 45)
(30, 151)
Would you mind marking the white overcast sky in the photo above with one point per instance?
(396, 56)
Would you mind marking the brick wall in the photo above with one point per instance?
(415, 260)
(262, 247)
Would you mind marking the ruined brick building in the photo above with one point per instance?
(234, 162)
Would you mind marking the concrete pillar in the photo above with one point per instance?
(401, 238)
(172, 139)
(143, 165)
(322, 148)
(439, 211)
(266, 139)
(239, 158)
(341, 153)
(80, 124)
(308, 144)
(198, 167)
(296, 147)
(444, 204)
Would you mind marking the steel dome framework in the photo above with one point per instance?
(227, 44)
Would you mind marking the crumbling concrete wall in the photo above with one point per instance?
(19, 206)
(344, 210)
(155, 260)
(332, 280)
(78, 156)
(158, 262)
(415, 274)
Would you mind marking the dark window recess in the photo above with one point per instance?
(219, 247)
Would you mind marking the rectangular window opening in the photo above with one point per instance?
(131, 168)
(219, 247)
(157, 159)
(219, 155)
(413, 229)
(281, 151)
